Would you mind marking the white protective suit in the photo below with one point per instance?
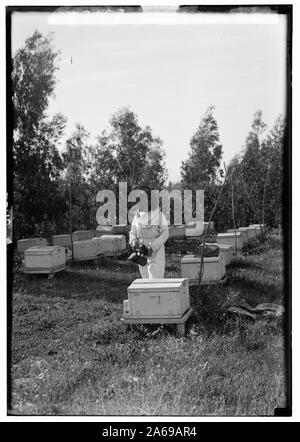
(152, 230)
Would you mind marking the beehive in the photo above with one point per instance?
(122, 239)
(211, 226)
(244, 233)
(105, 230)
(252, 232)
(62, 240)
(109, 245)
(158, 298)
(195, 228)
(226, 251)
(213, 269)
(44, 259)
(259, 228)
(85, 250)
(24, 244)
(82, 235)
(121, 229)
(229, 239)
(176, 230)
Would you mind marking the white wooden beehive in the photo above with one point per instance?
(62, 240)
(44, 259)
(105, 230)
(259, 228)
(195, 228)
(121, 229)
(85, 250)
(158, 298)
(82, 235)
(229, 239)
(122, 239)
(252, 232)
(24, 244)
(110, 245)
(213, 269)
(176, 230)
(244, 233)
(226, 251)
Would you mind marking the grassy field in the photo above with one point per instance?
(71, 356)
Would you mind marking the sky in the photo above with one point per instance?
(168, 75)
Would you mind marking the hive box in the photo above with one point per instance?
(259, 228)
(214, 269)
(105, 230)
(24, 244)
(197, 228)
(252, 232)
(229, 239)
(109, 245)
(244, 233)
(176, 230)
(62, 240)
(82, 235)
(85, 250)
(44, 259)
(122, 239)
(121, 229)
(225, 251)
(158, 298)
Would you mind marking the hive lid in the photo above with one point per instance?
(86, 241)
(155, 284)
(189, 259)
(228, 234)
(41, 250)
(61, 235)
(221, 246)
(243, 229)
(109, 237)
(82, 231)
(32, 239)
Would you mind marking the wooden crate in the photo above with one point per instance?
(82, 235)
(85, 250)
(213, 269)
(62, 240)
(229, 239)
(44, 259)
(158, 298)
(24, 244)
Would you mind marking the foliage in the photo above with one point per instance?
(201, 167)
(37, 163)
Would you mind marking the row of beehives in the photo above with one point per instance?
(40, 257)
(214, 268)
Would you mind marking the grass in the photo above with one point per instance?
(71, 356)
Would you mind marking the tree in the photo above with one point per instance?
(129, 153)
(37, 163)
(78, 161)
(202, 165)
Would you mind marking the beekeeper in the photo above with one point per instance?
(151, 229)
